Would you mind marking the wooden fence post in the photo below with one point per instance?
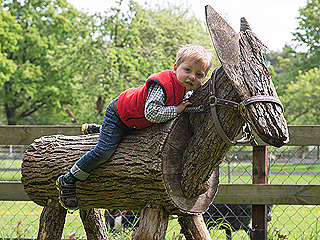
(259, 176)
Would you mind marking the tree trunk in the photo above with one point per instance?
(153, 224)
(94, 224)
(194, 228)
(52, 221)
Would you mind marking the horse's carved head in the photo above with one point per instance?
(242, 58)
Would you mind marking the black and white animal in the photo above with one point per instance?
(120, 219)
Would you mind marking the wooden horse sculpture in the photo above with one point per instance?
(169, 168)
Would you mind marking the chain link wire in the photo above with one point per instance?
(287, 165)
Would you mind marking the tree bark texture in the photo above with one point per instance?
(52, 220)
(94, 224)
(153, 223)
(194, 228)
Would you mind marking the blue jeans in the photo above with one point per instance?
(111, 133)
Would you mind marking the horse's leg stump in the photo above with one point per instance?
(153, 224)
(94, 224)
(193, 227)
(52, 221)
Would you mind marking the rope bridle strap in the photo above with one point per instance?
(241, 107)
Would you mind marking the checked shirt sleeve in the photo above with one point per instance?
(155, 110)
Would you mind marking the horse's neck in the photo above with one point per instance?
(229, 118)
(206, 149)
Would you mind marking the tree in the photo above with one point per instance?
(72, 60)
(306, 53)
(300, 63)
(308, 35)
(302, 98)
(277, 71)
(40, 75)
(9, 29)
(8, 43)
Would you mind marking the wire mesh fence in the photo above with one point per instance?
(287, 165)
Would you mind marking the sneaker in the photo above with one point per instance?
(67, 194)
(90, 128)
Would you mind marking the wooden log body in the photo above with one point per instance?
(130, 180)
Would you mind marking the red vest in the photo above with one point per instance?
(132, 102)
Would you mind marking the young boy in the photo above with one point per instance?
(160, 99)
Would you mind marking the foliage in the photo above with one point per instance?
(41, 76)
(308, 34)
(302, 98)
(8, 43)
(277, 71)
(297, 78)
(306, 54)
(58, 63)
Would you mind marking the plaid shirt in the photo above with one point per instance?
(155, 110)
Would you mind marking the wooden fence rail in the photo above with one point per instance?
(228, 193)
(25, 134)
(256, 194)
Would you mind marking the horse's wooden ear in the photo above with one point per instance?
(224, 38)
(244, 25)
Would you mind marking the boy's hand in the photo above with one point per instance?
(182, 106)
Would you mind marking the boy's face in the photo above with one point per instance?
(190, 74)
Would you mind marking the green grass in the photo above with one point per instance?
(21, 219)
(276, 167)
(302, 168)
(295, 222)
(287, 169)
(10, 164)
(10, 175)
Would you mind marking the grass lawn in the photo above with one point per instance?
(280, 173)
(20, 220)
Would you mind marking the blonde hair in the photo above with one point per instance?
(196, 53)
